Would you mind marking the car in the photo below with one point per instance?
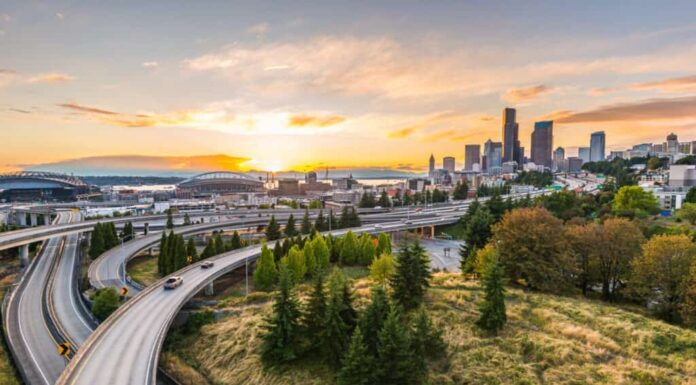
(207, 265)
(173, 283)
(378, 226)
(408, 222)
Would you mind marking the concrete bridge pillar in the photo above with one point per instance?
(209, 290)
(24, 256)
(21, 218)
(34, 219)
(47, 219)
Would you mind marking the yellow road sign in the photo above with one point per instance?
(124, 291)
(189, 259)
(64, 349)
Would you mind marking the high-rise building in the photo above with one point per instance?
(448, 163)
(685, 147)
(558, 158)
(542, 143)
(597, 146)
(431, 165)
(493, 152)
(511, 140)
(672, 144)
(472, 156)
(584, 154)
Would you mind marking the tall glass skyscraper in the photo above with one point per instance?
(511, 140)
(597, 146)
(542, 143)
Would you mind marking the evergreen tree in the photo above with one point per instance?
(310, 259)
(336, 333)
(187, 219)
(162, 257)
(108, 231)
(412, 276)
(349, 249)
(358, 365)
(461, 191)
(170, 219)
(278, 251)
(266, 273)
(191, 251)
(321, 252)
(306, 226)
(209, 249)
(320, 223)
(496, 207)
(96, 243)
(286, 246)
(367, 200)
(273, 229)
(290, 230)
(170, 261)
(181, 260)
(295, 263)
(219, 244)
(373, 319)
(236, 241)
(383, 244)
(282, 328)
(395, 359)
(492, 309)
(333, 221)
(367, 249)
(315, 313)
(426, 340)
(384, 200)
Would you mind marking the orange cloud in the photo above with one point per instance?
(318, 121)
(53, 77)
(651, 109)
(517, 95)
(87, 109)
(402, 132)
(681, 84)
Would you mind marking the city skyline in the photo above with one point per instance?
(376, 87)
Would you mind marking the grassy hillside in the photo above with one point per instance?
(548, 340)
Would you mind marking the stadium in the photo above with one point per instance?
(31, 186)
(218, 183)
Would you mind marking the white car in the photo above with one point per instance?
(173, 283)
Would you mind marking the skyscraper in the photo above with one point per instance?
(511, 140)
(672, 143)
(584, 154)
(472, 155)
(448, 163)
(493, 152)
(597, 144)
(542, 143)
(558, 158)
(431, 166)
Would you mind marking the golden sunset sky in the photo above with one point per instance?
(298, 84)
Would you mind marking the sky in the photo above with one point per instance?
(261, 85)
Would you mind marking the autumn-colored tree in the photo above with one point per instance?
(661, 274)
(635, 199)
(621, 243)
(382, 268)
(582, 247)
(687, 213)
(532, 249)
(688, 308)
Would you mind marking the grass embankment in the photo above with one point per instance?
(8, 373)
(143, 269)
(548, 340)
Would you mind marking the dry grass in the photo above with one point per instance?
(8, 374)
(548, 340)
(143, 270)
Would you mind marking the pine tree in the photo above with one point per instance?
(306, 225)
(310, 258)
(170, 261)
(108, 231)
(395, 361)
(315, 313)
(170, 219)
(336, 334)
(180, 261)
(273, 229)
(358, 365)
(321, 252)
(383, 244)
(492, 309)
(162, 257)
(266, 273)
(219, 244)
(320, 223)
(290, 230)
(236, 241)
(278, 251)
(187, 219)
(335, 224)
(295, 261)
(350, 249)
(367, 249)
(282, 328)
(191, 251)
(426, 339)
(96, 243)
(367, 200)
(373, 318)
(411, 277)
(384, 200)
(209, 249)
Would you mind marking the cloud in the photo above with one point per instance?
(51, 77)
(681, 84)
(259, 29)
(518, 95)
(651, 109)
(21, 111)
(402, 133)
(60, 16)
(87, 109)
(150, 64)
(318, 121)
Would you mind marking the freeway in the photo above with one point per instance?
(28, 331)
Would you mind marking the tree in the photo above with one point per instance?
(310, 259)
(690, 196)
(306, 226)
(219, 244)
(273, 229)
(621, 243)
(336, 332)
(266, 272)
(321, 252)
(367, 200)
(109, 235)
(235, 241)
(357, 366)
(278, 251)
(493, 317)
(635, 200)
(187, 219)
(461, 191)
(349, 218)
(582, 247)
(180, 254)
(191, 251)
(395, 362)
(412, 276)
(162, 256)
(532, 249)
(687, 213)
(315, 313)
(367, 249)
(96, 243)
(384, 200)
(106, 301)
(654, 163)
(661, 273)
(383, 244)
(373, 318)
(350, 249)
(320, 224)
(483, 257)
(282, 329)
(496, 206)
(295, 262)
(688, 309)
(170, 220)
(382, 269)
(290, 230)
(426, 338)
(477, 230)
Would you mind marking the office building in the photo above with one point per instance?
(584, 154)
(597, 146)
(431, 166)
(574, 164)
(672, 144)
(682, 175)
(493, 152)
(448, 163)
(542, 143)
(511, 141)
(558, 158)
(616, 154)
(685, 147)
(472, 156)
